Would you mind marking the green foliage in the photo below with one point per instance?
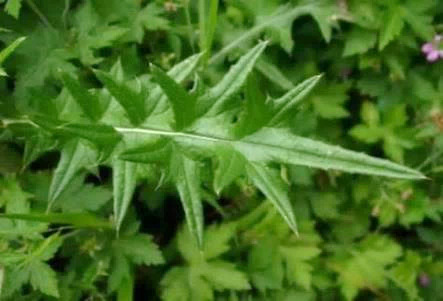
(204, 272)
(185, 150)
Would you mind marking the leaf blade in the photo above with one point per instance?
(88, 102)
(131, 101)
(182, 103)
(124, 182)
(273, 187)
(213, 101)
(187, 179)
(287, 102)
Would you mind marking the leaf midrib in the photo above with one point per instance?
(162, 132)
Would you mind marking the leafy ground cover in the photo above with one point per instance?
(221, 150)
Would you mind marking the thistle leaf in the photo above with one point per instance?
(74, 156)
(183, 104)
(215, 99)
(87, 101)
(284, 105)
(123, 182)
(187, 179)
(131, 101)
(273, 187)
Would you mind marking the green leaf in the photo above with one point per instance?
(187, 179)
(366, 134)
(420, 24)
(273, 73)
(124, 176)
(404, 274)
(359, 41)
(273, 187)
(120, 271)
(13, 7)
(325, 205)
(230, 167)
(140, 249)
(223, 275)
(366, 265)
(328, 101)
(282, 15)
(207, 32)
(2, 277)
(74, 157)
(256, 113)
(393, 25)
(104, 137)
(8, 50)
(80, 220)
(43, 278)
(265, 266)
(183, 104)
(88, 102)
(285, 104)
(298, 268)
(217, 238)
(157, 98)
(131, 101)
(280, 145)
(126, 290)
(213, 102)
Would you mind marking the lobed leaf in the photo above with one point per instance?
(88, 102)
(131, 101)
(212, 103)
(182, 103)
(284, 105)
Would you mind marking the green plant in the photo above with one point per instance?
(123, 120)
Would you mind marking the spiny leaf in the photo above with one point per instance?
(279, 145)
(79, 220)
(284, 105)
(230, 167)
(74, 155)
(8, 50)
(103, 136)
(131, 101)
(157, 98)
(270, 144)
(215, 99)
(270, 183)
(187, 179)
(87, 101)
(124, 176)
(256, 113)
(183, 104)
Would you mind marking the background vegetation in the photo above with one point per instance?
(360, 237)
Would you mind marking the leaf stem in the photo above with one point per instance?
(189, 24)
(38, 12)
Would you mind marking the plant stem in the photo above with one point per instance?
(39, 13)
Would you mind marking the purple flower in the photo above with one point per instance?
(432, 49)
(424, 280)
(428, 47)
